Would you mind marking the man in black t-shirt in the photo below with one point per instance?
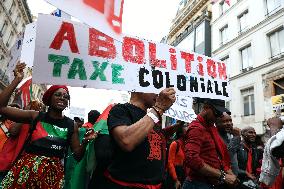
(139, 142)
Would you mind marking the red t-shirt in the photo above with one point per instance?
(176, 157)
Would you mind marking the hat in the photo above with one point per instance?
(47, 95)
(78, 119)
(218, 104)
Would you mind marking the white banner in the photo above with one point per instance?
(27, 54)
(23, 49)
(15, 54)
(182, 109)
(71, 53)
(105, 15)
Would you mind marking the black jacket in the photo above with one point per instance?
(242, 156)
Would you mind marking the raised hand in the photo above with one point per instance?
(165, 99)
(19, 71)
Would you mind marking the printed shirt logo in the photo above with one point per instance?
(155, 142)
(55, 131)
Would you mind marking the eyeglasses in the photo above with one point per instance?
(63, 95)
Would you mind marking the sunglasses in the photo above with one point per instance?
(65, 96)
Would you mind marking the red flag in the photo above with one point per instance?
(101, 123)
(226, 1)
(112, 9)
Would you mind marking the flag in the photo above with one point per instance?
(226, 1)
(101, 123)
(61, 14)
(112, 9)
(25, 89)
(79, 172)
(104, 15)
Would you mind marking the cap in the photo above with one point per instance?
(218, 104)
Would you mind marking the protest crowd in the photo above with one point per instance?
(128, 145)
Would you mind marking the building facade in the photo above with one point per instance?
(249, 37)
(190, 28)
(14, 15)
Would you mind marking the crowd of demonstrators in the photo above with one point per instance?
(130, 148)
(40, 165)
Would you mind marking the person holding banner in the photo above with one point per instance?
(206, 155)
(40, 166)
(139, 142)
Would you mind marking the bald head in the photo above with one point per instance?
(143, 100)
(244, 130)
(248, 134)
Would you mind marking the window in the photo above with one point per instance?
(10, 39)
(273, 5)
(243, 21)
(223, 7)
(3, 28)
(188, 43)
(200, 34)
(17, 20)
(225, 60)
(279, 86)
(11, 10)
(224, 34)
(181, 5)
(248, 101)
(246, 57)
(228, 105)
(277, 42)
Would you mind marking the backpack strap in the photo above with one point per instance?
(31, 130)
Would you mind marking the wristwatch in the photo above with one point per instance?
(222, 177)
(153, 117)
